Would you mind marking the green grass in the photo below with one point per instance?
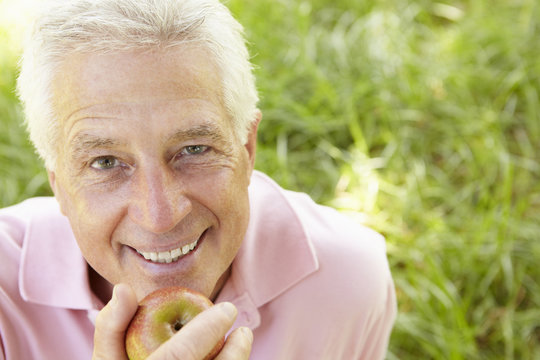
(420, 119)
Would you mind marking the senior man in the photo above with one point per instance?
(145, 114)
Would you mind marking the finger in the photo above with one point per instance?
(199, 336)
(112, 322)
(238, 345)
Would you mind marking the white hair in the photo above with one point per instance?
(66, 27)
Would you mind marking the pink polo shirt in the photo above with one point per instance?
(310, 283)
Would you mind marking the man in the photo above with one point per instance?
(145, 115)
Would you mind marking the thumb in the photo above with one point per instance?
(112, 322)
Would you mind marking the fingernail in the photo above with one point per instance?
(114, 297)
(247, 333)
(229, 309)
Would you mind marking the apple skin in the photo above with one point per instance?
(160, 315)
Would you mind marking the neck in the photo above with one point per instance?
(220, 283)
(99, 286)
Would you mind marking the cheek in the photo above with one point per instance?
(225, 192)
(225, 195)
(93, 226)
(92, 218)
(233, 215)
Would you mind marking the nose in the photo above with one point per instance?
(158, 200)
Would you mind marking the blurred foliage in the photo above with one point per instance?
(420, 119)
(21, 172)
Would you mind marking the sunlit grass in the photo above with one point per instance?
(420, 119)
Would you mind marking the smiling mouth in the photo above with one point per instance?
(170, 256)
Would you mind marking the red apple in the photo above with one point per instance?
(160, 315)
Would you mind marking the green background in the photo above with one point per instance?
(420, 119)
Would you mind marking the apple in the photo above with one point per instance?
(160, 315)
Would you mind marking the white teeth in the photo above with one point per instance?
(168, 256)
(163, 256)
(185, 249)
(176, 253)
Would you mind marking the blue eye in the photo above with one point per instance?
(105, 163)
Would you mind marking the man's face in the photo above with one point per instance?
(150, 173)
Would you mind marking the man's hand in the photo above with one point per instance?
(193, 342)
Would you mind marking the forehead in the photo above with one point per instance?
(96, 80)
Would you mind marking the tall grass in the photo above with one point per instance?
(422, 120)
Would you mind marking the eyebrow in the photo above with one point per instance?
(199, 131)
(83, 143)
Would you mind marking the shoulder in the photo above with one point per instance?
(21, 214)
(15, 219)
(350, 285)
(31, 279)
(352, 257)
(15, 222)
(16, 227)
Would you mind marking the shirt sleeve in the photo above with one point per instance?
(379, 335)
(10, 250)
(2, 356)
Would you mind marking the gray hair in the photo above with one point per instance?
(77, 26)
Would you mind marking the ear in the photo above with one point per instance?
(251, 144)
(58, 194)
(52, 180)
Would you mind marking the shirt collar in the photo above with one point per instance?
(277, 252)
(53, 271)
